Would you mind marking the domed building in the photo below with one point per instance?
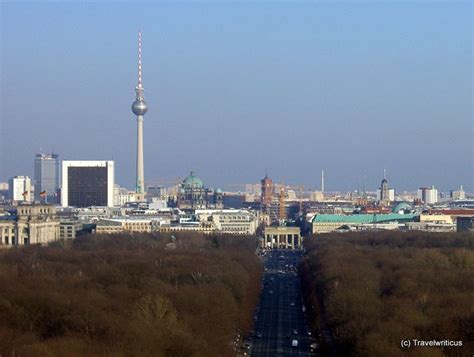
(193, 195)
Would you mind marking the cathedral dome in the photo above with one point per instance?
(192, 181)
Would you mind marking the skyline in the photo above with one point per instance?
(254, 90)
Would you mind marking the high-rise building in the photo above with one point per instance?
(46, 167)
(385, 194)
(20, 189)
(139, 108)
(429, 195)
(87, 183)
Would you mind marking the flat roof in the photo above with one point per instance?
(362, 218)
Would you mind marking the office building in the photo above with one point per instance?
(87, 183)
(428, 195)
(46, 171)
(20, 189)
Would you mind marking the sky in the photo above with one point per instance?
(235, 88)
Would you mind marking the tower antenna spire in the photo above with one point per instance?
(139, 88)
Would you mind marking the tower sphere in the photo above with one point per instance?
(139, 107)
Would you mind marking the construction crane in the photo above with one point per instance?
(281, 204)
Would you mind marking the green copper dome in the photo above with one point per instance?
(192, 181)
(402, 206)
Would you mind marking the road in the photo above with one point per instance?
(280, 319)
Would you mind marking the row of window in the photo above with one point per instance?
(26, 241)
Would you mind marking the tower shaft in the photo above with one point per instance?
(140, 184)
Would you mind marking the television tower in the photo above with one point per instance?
(322, 181)
(139, 108)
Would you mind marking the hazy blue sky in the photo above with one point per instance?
(234, 88)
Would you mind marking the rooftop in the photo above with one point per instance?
(362, 218)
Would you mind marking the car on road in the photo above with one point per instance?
(258, 334)
(294, 343)
(295, 332)
(292, 304)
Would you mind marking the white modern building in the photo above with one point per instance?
(429, 195)
(21, 189)
(87, 183)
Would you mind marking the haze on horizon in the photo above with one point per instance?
(237, 88)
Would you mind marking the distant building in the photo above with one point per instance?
(130, 224)
(458, 194)
(156, 192)
(46, 170)
(3, 191)
(29, 224)
(428, 195)
(385, 194)
(87, 183)
(433, 227)
(316, 196)
(437, 218)
(193, 195)
(325, 223)
(266, 193)
(230, 221)
(282, 237)
(68, 228)
(122, 196)
(234, 200)
(465, 224)
(20, 189)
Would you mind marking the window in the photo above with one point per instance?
(26, 241)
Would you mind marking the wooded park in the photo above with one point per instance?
(368, 291)
(123, 295)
